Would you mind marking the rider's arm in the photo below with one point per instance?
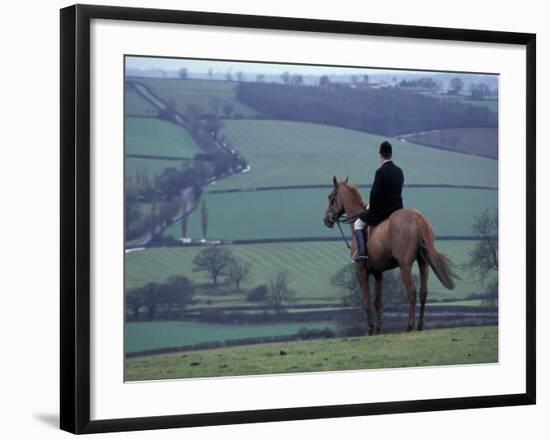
(376, 190)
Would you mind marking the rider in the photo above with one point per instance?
(385, 198)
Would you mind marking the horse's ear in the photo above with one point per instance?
(335, 181)
(346, 180)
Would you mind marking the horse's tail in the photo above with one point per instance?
(441, 265)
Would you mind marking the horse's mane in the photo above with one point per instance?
(354, 191)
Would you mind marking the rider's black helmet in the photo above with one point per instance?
(385, 149)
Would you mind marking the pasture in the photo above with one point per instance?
(480, 141)
(142, 336)
(297, 213)
(136, 105)
(298, 153)
(310, 266)
(476, 345)
(158, 138)
(491, 104)
(197, 92)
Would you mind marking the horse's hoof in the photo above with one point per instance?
(378, 330)
(370, 331)
(409, 328)
(420, 327)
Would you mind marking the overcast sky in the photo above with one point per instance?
(202, 66)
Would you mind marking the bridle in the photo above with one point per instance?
(341, 219)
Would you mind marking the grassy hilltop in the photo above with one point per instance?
(414, 349)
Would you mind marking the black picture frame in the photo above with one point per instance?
(75, 217)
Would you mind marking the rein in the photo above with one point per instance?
(343, 236)
(345, 220)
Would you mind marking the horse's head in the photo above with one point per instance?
(335, 207)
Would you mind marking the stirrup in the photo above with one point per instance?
(357, 258)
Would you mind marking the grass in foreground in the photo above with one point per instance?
(428, 348)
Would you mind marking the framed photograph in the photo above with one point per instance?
(275, 218)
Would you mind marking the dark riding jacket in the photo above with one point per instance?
(385, 194)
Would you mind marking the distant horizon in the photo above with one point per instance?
(202, 66)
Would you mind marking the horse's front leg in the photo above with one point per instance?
(363, 279)
(379, 284)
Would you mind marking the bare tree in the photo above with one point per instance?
(238, 271)
(456, 85)
(214, 260)
(215, 104)
(394, 297)
(285, 77)
(394, 294)
(280, 292)
(324, 81)
(484, 256)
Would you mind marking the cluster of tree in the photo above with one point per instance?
(479, 91)
(425, 83)
(292, 79)
(164, 197)
(389, 112)
(218, 262)
(155, 300)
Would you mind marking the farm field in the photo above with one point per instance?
(142, 336)
(310, 266)
(196, 92)
(491, 104)
(158, 137)
(481, 141)
(295, 153)
(135, 104)
(295, 213)
(414, 349)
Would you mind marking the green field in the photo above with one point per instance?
(480, 141)
(135, 104)
(414, 349)
(310, 266)
(142, 336)
(296, 153)
(298, 213)
(491, 104)
(196, 92)
(158, 137)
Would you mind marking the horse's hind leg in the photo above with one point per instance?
(379, 284)
(424, 270)
(406, 275)
(363, 279)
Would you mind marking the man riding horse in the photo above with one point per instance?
(385, 198)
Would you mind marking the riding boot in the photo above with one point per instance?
(360, 237)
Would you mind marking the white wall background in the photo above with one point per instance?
(29, 200)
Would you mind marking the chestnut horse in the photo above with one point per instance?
(406, 236)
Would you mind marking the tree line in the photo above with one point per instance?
(387, 111)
